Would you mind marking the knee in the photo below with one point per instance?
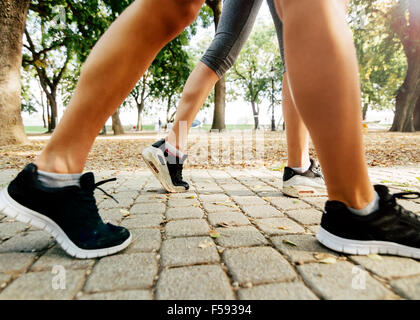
(185, 11)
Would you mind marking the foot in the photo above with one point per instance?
(390, 230)
(166, 167)
(297, 184)
(69, 214)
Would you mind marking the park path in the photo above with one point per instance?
(233, 236)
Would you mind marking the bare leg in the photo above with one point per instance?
(114, 66)
(197, 89)
(296, 131)
(323, 76)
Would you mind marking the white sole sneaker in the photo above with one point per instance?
(11, 208)
(358, 247)
(299, 186)
(155, 160)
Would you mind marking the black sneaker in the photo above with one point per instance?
(69, 214)
(297, 184)
(390, 230)
(166, 167)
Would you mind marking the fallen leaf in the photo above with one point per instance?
(224, 204)
(125, 213)
(329, 260)
(283, 228)
(214, 234)
(190, 197)
(226, 224)
(290, 243)
(205, 244)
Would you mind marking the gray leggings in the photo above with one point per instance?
(235, 26)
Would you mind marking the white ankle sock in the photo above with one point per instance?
(174, 151)
(371, 207)
(302, 169)
(55, 180)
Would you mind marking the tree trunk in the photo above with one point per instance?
(140, 108)
(256, 114)
(409, 92)
(417, 116)
(12, 24)
(407, 98)
(220, 88)
(365, 110)
(53, 120)
(116, 123)
(219, 122)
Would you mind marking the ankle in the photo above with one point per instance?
(303, 163)
(181, 147)
(56, 164)
(356, 199)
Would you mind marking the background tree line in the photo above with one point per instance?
(48, 40)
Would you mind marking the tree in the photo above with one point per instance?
(252, 73)
(219, 122)
(12, 24)
(381, 57)
(140, 94)
(170, 71)
(60, 33)
(417, 116)
(405, 22)
(117, 126)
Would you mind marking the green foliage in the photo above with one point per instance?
(382, 61)
(251, 73)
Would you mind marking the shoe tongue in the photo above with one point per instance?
(87, 181)
(383, 192)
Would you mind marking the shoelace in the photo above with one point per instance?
(103, 182)
(317, 170)
(405, 196)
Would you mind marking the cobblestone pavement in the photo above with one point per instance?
(233, 236)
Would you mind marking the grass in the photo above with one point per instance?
(35, 130)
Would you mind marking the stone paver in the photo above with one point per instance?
(194, 283)
(408, 288)
(300, 248)
(389, 267)
(262, 211)
(220, 206)
(278, 291)
(306, 217)
(33, 241)
(123, 272)
(185, 228)
(148, 208)
(257, 265)
(41, 286)
(284, 203)
(188, 251)
(119, 295)
(233, 237)
(145, 240)
(143, 221)
(15, 263)
(264, 247)
(342, 280)
(9, 229)
(229, 218)
(279, 226)
(184, 213)
(56, 256)
(173, 203)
